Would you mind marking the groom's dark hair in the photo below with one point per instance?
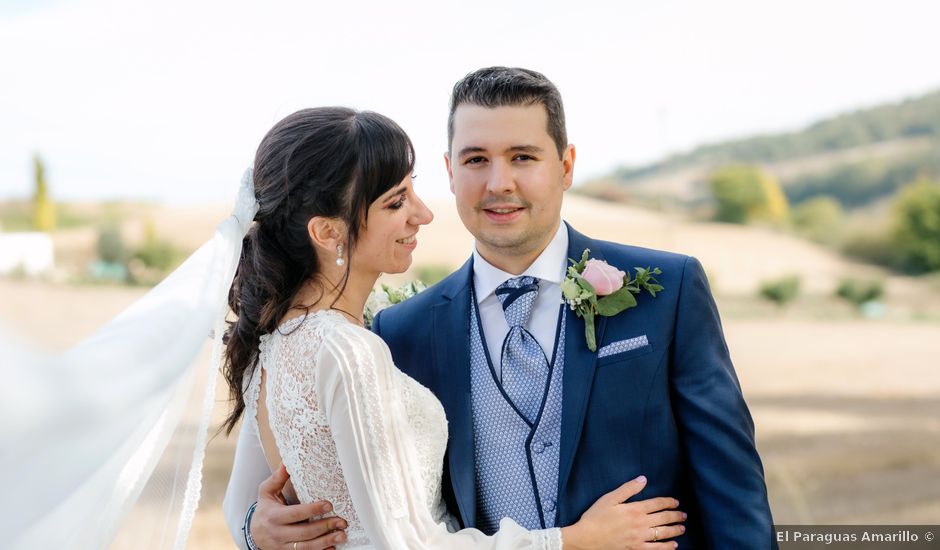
(510, 86)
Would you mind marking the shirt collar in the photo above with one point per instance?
(550, 266)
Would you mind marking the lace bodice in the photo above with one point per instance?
(356, 431)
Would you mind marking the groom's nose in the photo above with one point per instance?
(500, 178)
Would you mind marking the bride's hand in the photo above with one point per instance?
(611, 523)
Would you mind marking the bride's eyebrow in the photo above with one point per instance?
(400, 190)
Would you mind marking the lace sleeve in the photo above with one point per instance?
(249, 470)
(356, 388)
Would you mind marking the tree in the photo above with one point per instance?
(44, 213)
(917, 226)
(746, 193)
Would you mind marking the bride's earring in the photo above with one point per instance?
(339, 255)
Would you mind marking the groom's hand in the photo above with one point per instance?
(277, 525)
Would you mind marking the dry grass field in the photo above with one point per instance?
(847, 410)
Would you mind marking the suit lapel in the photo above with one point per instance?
(580, 363)
(451, 337)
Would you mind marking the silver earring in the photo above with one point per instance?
(339, 255)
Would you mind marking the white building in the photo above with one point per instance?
(28, 253)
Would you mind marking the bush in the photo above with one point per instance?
(859, 292)
(111, 247)
(872, 244)
(156, 253)
(819, 219)
(781, 291)
(917, 226)
(746, 193)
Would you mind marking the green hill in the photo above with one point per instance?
(858, 157)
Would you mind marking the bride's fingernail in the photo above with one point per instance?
(641, 479)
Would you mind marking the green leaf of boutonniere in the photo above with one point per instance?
(611, 305)
(578, 267)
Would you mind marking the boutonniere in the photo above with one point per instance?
(594, 287)
(388, 296)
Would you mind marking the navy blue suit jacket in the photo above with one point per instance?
(672, 411)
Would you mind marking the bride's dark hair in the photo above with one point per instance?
(327, 161)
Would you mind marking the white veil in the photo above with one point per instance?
(83, 432)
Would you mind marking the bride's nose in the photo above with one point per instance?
(420, 214)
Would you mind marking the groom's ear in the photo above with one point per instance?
(450, 172)
(326, 233)
(567, 163)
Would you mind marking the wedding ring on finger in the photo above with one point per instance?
(655, 533)
(295, 545)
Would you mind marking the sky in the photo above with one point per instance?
(168, 100)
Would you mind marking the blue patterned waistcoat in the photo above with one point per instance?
(516, 462)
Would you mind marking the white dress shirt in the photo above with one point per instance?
(549, 268)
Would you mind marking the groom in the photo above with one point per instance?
(540, 425)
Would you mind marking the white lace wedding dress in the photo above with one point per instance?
(354, 430)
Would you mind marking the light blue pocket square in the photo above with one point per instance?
(621, 346)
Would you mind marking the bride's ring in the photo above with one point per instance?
(295, 546)
(655, 533)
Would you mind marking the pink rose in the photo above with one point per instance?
(605, 278)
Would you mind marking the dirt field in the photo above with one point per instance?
(847, 410)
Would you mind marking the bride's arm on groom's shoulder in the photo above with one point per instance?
(272, 522)
(715, 424)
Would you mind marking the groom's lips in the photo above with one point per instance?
(504, 214)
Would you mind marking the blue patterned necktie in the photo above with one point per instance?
(524, 367)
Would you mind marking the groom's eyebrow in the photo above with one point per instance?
(470, 149)
(525, 149)
(513, 149)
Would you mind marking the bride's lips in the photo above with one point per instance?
(503, 214)
(409, 242)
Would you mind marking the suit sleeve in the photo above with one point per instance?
(715, 424)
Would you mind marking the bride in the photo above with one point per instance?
(336, 208)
